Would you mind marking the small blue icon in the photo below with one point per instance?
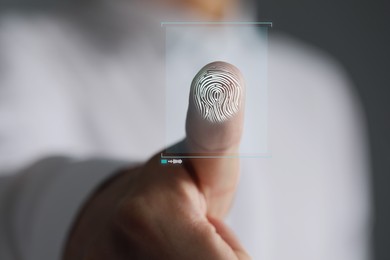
(164, 161)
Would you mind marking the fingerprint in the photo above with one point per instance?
(217, 90)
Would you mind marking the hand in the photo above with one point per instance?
(159, 211)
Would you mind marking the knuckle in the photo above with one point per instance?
(132, 215)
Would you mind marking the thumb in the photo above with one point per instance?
(214, 127)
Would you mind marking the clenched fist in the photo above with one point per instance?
(156, 211)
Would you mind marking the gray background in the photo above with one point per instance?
(357, 33)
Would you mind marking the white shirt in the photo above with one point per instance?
(70, 89)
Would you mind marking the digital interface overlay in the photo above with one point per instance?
(189, 47)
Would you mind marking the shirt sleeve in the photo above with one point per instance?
(40, 203)
(40, 117)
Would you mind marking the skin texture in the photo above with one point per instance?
(159, 211)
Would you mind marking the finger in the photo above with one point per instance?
(230, 238)
(215, 113)
(214, 126)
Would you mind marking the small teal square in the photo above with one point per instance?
(164, 161)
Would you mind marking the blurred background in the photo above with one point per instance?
(357, 34)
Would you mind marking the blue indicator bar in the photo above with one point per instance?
(164, 161)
